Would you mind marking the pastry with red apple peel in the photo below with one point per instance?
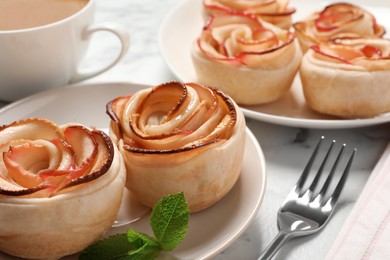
(348, 78)
(61, 187)
(179, 137)
(339, 20)
(252, 61)
(277, 12)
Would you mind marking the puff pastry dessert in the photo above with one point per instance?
(276, 12)
(253, 62)
(179, 137)
(340, 20)
(60, 188)
(348, 78)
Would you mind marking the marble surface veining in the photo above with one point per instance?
(286, 149)
(143, 62)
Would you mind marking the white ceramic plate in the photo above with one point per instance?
(184, 24)
(211, 230)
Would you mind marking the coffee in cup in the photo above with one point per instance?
(42, 43)
(23, 14)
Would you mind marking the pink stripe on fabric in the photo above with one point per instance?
(373, 185)
(367, 254)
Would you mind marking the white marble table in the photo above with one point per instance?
(286, 148)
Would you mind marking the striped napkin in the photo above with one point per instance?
(366, 232)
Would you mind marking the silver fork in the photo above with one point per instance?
(305, 211)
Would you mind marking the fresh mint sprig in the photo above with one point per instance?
(169, 221)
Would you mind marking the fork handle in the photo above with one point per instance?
(274, 246)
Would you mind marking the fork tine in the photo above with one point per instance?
(304, 215)
(305, 173)
(331, 173)
(321, 169)
(334, 197)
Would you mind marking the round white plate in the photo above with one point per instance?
(211, 230)
(184, 24)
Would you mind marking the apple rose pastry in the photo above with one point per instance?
(341, 20)
(253, 62)
(60, 188)
(276, 12)
(348, 78)
(179, 138)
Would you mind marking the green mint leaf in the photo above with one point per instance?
(145, 247)
(169, 220)
(113, 247)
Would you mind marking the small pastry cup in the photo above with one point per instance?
(205, 178)
(252, 61)
(50, 228)
(204, 170)
(345, 90)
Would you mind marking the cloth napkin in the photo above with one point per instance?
(366, 232)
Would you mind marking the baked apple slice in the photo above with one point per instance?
(277, 12)
(339, 20)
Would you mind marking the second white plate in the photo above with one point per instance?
(184, 24)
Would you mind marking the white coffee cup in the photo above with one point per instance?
(49, 55)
